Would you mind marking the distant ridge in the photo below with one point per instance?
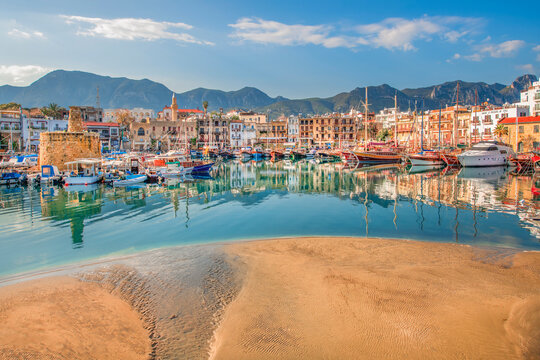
(79, 88)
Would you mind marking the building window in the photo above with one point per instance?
(536, 128)
(140, 132)
(520, 146)
(521, 129)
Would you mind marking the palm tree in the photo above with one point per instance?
(205, 107)
(52, 110)
(501, 131)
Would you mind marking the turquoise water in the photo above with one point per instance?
(46, 227)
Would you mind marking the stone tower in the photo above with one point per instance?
(174, 109)
(75, 123)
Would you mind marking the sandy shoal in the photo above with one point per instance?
(347, 298)
(65, 318)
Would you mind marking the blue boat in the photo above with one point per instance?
(9, 178)
(202, 168)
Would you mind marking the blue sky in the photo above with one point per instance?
(291, 48)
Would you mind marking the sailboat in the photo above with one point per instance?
(425, 157)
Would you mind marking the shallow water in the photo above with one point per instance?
(51, 226)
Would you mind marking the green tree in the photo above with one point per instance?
(384, 134)
(501, 131)
(52, 110)
(205, 107)
(10, 106)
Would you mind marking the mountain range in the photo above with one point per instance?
(67, 88)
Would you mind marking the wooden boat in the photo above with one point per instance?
(276, 154)
(377, 156)
(426, 158)
(347, 156)
(257, 154)
(298, 154)
(450, 159)
(130, 180)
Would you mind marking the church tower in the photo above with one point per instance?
(174, 109)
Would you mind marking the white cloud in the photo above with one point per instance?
(21, 74)
(391, 33)
(133, 29)
(536, 48)
(26, 34)
(273, 32)
(504, 49)
(526, 67)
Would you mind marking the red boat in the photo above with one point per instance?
(377, 156)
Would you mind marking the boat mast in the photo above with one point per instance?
(454, 123)
(366, 121)
(476, 121)
(422, 130)
(440, 111)
(395, 120)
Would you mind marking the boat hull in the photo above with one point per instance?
(81, 180)
(450, 160)
(202, 168)
(375, 158)
(419, 160)
(482, 160)
(134, 180)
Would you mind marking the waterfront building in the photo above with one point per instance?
(235, 133)
(33, 127)
(454, 127)
(305, 132)
(277, 131)
(528, 132)
(214, 130)
(10, 130)
(136, 114)
(386, 118)
(109, 134)
(531, 97)
(334, 130)
(292, 129)
(484, 119)
(91, 113)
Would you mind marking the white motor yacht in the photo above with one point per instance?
(486, 153)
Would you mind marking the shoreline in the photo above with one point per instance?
(267, 298)
(71, 267)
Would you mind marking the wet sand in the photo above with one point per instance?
(300, 298)
(345, 298)
(64, 318)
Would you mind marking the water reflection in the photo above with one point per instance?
(265, 199)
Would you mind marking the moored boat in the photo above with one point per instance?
(450, 159)
(486, 153)
(426, 158)
(130, 180)
(82, 172)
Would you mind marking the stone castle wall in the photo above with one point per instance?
(57, 148)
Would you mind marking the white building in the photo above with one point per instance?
(33, 127)
(235, 133)
(531, 98)
(10, 129)
(386, 117)
(292, 129)
(483, 123)
(138, 114)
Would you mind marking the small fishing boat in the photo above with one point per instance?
(10, 178)
(130, 180)
(202, 167)
(50, 174)
(173, 169)
(83, 172)
(257, 154)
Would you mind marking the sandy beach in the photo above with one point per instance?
(299, 298)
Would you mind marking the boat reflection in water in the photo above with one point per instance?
(245, 200)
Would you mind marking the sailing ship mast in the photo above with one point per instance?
(366, 120)
(395, 120)
(454, 123)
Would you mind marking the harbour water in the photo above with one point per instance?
(43, 228)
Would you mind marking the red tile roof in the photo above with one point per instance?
(95, 123)
(521, 120)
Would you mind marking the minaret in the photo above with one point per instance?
(174, 109)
